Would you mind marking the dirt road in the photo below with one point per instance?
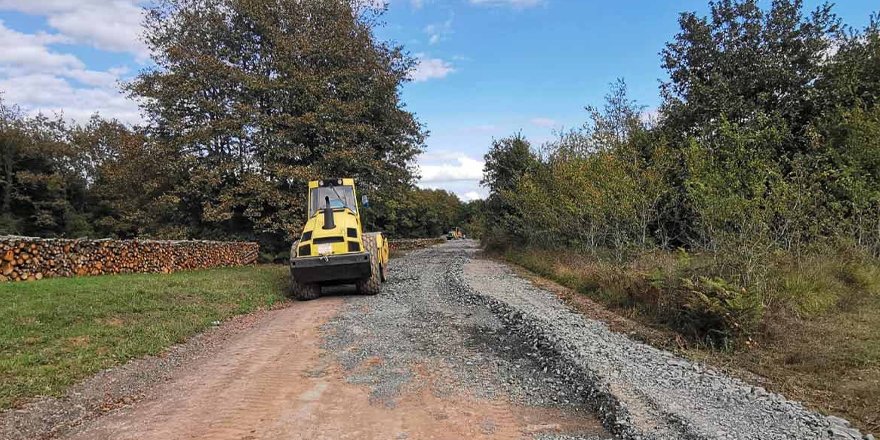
(411, 363)
(455, 347)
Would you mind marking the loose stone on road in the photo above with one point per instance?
(416, 362)
(455, 347)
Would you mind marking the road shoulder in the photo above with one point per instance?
(121, 386)
(638, 390)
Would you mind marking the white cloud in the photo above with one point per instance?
(519, 4)
(40, 79)
(434, 156)
(452, 171)
(373, 4)
(27, 53)
(650, 116)
(544, 122)
(465, 191)
(112, 25)
(439, 31)
(53, 94)
(471, 195)
(430, 68)
(104, 79)
(465, 168)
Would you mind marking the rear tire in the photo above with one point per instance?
(301, 291)
(304, 292)
(373, 284)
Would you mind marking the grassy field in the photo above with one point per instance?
(817, 340)
(58, 331)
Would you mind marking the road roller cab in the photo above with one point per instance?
(333, 249)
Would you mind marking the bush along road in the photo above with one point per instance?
(456, 346)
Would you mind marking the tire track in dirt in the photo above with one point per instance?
(233, 394)
(433, 344)
(285, 377)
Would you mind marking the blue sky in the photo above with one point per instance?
(487, 68)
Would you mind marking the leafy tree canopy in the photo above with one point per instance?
(257, 97)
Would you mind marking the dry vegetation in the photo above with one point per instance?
(816, 340)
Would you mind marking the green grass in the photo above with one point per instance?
(58, 331)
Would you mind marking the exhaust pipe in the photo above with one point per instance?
(328, 215)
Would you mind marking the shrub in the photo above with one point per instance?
(718, 311)
(659, 287)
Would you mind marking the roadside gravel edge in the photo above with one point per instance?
(614, 415)
(634, 411)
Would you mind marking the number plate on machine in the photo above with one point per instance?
(325, 249)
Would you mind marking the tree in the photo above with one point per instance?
(257, 97)
(12, 138)
(743, 64)
(473, 218)
(415, 213)
(851, 77)
(132, 183)
(508, 162)
(598, 186)
(43, 182)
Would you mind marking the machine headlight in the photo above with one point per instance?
(305, 250)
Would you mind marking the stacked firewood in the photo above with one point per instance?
(27, 258)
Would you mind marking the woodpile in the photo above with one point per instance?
(28, 258)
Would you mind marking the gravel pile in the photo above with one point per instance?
(420, 324)
(638, 391)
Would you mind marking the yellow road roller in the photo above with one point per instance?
(333, 249)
